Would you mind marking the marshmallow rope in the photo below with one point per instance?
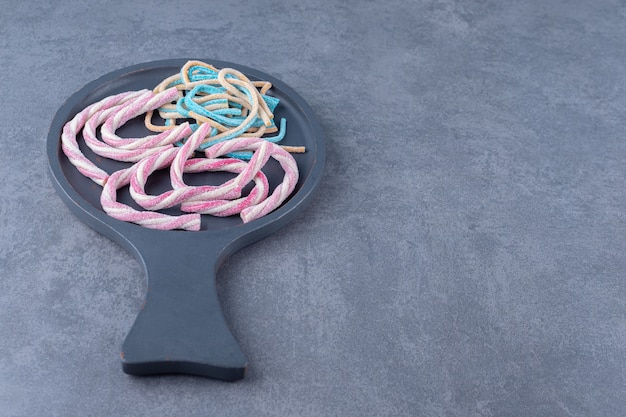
(133, 149)
(236, 123)
(286, 161)
(181, 192)
(150, 219)
(114, 111)
(202, 199)
(69, 142)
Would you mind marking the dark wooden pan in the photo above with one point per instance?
(180, 327)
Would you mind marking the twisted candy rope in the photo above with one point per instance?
(132, 149)
(149, 219)
(216, 92)
(125, 105)
(252, 207)
(154, 152)
(286, 161)
(69, 143)
(226, 99)
(215, 200)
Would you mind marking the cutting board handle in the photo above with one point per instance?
(181, 328)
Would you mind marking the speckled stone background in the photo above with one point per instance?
(465, 255)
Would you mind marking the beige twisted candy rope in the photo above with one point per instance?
(252, 105)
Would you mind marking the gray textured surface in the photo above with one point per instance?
(465, 256)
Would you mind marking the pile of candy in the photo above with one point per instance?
(219, 112)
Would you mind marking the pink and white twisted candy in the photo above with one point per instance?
(215, 200)
(281, 192)
(116, 110)
(150, 219)
(69, 142)
(131, 149)
(154, 152)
